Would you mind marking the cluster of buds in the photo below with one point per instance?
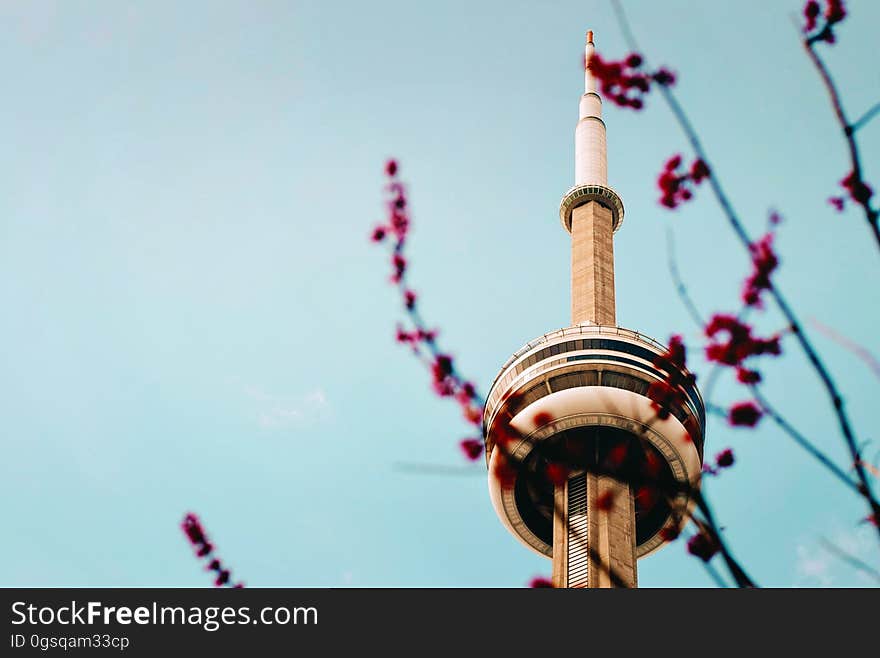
(670, 393)
(733, 343)
(703, 545)
(723, 459)
(764, 262)
(623, 82)
(834, 13)
(744, 414)
(195, 533)
(396, 226)
(415, 337)
(447, 383)
(676, 185)
(857, 189)
(740, 343)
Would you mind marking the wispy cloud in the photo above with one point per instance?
(275, 412)
(813, 567)
(830, 562)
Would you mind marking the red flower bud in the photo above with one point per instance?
(699, 170)
(724, 459)
(634, 60)
(811, 12)
(744, 414)
(834, 11)
(746, 376)
(540, 582)
(702, 546)
(837, 202)
(472, 448)
(664, 77)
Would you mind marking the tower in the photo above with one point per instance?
(594, 463)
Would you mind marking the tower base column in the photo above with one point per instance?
(594, 542)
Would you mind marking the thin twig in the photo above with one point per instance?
(680, 287)
(850, 559)
(713, 573)
(860, 351)
(697, 317)
(802, 441)
(739, 575)
(866, 117)
(848, 131)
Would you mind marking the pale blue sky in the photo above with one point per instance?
(194, 319)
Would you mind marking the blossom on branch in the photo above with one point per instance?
(834, 13)
(539, 582)
(739, 346)
(724, 459)
(746, 376)
(669, 393)
(744, 414)
(195, 533)
(445, 381)
(702, 546)
(472, 448)
(811, 13)
(677, 186)
(740, 343)
(764, 262)
(859, 190)
(837, 202)
(623, 82)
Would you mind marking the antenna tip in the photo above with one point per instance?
(589, 36)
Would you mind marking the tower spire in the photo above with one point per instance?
(589, 80)
(590, 150)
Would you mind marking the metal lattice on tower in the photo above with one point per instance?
(578, 396)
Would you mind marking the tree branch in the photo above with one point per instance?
(848, 129)
(739, 230)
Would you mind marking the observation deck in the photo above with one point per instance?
(582, 390)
